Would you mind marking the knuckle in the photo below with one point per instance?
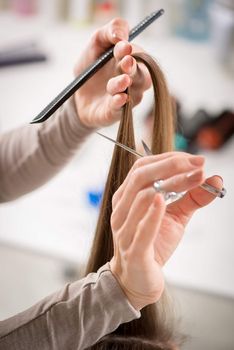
(175, 163)
(138, 163)
(137, 176)
(180, 163)
(95, 37)
(116, 196)
(114, 200)
(118, 217)
(145, 195)
(134, 178)
(113, 221)
(118, 22)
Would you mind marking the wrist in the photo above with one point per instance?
(137, 299)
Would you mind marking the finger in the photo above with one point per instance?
(115, 104)
(128, 65)
(122, 49)
(118, 84)
(195, 199)
(184, 182)
(119, 29)
(149, 226)
(146, 175)
(141, 79)
(136, 213)
(166, 168)
(110, 34)
(140, 163)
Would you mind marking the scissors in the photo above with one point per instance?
(169, 196)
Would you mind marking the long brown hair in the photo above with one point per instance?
(153, 324)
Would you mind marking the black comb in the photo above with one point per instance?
(90, 71)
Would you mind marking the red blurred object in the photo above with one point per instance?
(104, 10)
(214, 135)
(106, 6)
(24, 7)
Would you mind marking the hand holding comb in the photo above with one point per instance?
(90, 71)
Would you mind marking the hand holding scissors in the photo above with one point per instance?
(146, 231)
(169, 194)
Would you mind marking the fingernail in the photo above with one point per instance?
(219, 177)
(194, 176)
(197, 160)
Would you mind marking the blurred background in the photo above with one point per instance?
(45, 236)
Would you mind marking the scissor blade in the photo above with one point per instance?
(121, 145)
(146, 148)
(205, 186)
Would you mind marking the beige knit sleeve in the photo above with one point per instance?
(32, 154)
(73, 319)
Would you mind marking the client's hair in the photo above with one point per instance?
(116, 342)
(152, 330)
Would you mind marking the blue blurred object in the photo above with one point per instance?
(181, 143)
(192, 19)
(94, 198)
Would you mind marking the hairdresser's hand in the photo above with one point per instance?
(100, 100)
(146, 234)
(134, 264)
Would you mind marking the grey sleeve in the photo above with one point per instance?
(33, 154)
(74, 318)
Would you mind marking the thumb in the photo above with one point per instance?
(109, 35)
(196, 198)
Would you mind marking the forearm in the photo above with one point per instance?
(32, 154)
(74, 318)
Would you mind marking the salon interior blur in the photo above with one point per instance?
(45, 236)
